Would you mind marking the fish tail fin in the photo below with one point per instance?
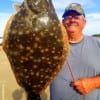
(33, 96)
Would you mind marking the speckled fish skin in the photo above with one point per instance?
(35, 45)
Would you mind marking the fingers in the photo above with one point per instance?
(79, 86)
(76, 83)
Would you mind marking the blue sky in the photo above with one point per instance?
(91, 8)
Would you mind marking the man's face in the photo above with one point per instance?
(74, 22)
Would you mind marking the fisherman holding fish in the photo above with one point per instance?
(79, 78)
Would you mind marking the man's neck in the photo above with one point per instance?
(75, 37)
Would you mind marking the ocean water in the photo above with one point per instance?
(0, 40)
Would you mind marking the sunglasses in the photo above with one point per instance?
(70, 17)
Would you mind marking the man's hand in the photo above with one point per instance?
(86, 85)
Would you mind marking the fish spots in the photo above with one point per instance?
(35, 45)
(20, 33)
(37, 74)
(37, 38)
(21, 46)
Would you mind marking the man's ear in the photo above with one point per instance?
(85, 21)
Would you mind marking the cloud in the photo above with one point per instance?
(3, 19)
(93, 16)
(61, 4)
(92, 26)
(19, 1)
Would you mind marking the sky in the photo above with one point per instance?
(91, 8)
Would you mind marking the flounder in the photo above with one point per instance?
(35, 45)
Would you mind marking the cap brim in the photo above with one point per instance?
(70, 11)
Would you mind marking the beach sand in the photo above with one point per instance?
(9, 89)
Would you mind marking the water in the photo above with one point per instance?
(0, 40)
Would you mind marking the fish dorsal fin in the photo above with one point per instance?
(17, 7)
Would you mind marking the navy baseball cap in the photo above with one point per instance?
(74, 7)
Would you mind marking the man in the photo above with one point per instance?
(79, 78)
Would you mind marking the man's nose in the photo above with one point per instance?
(73, 18)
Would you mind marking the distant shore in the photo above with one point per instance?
(0, 40)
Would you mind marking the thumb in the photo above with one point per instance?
(76, 83)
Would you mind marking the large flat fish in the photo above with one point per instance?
(35, 45)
